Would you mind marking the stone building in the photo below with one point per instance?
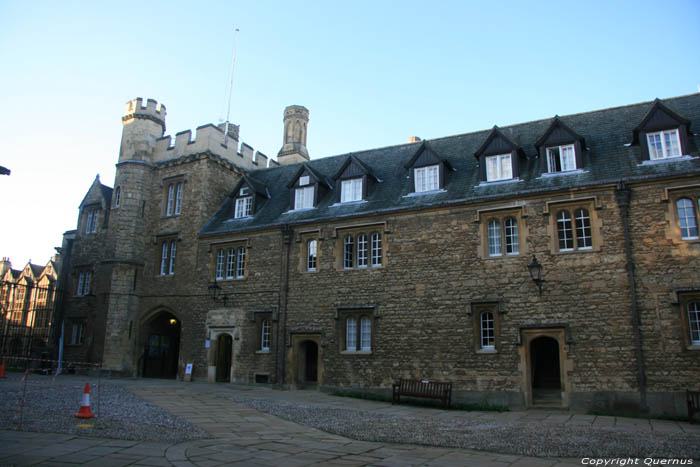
(27, 298)
(413, 260)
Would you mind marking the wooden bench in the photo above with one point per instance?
(693, 399)
(422, 388)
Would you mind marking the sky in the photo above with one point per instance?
(371, 73)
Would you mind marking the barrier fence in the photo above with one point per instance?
(28, 321)
(41, 380)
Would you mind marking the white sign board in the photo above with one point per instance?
(188, 369)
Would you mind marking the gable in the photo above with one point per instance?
(314, 177)
(558, 133)
(425, 155)
(353, 168)
(97, 194)
(496, 143)
(659, 117)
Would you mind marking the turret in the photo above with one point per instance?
(296, 118)
(143, 125)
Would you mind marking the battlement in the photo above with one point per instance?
(152, 110)
(210, 138)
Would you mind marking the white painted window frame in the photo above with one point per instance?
(304, 197)
(666, 140)
(499, 167)
(426, 178)
(687, 220)
(487, 330)
(566, 155)
(244, 207)
(351, 190)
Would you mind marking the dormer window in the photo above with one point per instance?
(354, 181)
(428, 170)
(305, 188)
(662, 134)
(244, 203)
(426, 178)
(351, 190)
(499, 167)
(304, 197)
(248, 197)
(560, 149)
(664, 144)
(561, 158)
(244, 207)
(498, 157)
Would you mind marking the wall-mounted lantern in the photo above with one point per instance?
(535, 269)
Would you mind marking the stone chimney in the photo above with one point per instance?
(414, 139)
(296, 119)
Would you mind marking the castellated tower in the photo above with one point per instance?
(296, 119)
(143, 125)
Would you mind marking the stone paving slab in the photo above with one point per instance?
(244, 436)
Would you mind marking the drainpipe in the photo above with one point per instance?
(282, 303)
(623, 194)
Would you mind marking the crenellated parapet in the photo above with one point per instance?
(151, 111)
(210, 138)
(143, 139)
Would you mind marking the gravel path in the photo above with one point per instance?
(50, 407)
(521, 438)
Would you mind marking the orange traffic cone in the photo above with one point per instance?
(85, 411)
(2, 369)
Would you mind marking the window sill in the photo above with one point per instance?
(560, 174)
(486, 351)
(693, 347)
(348, 203)
(507, 255)
(498, 182)
(362, 268)
(234, 219)
(263, 352)
(574, 251)
(292, 211)
(666, 160)
(172, 216)
(355, 352)
(422, 193)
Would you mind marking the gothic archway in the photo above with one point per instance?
(162, 346)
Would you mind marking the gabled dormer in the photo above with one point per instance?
(94, 209)
(248, 197)
(306, 188)
(499, 157)
(662, 133)
(428, 170)
(560, 149)
(353, 181)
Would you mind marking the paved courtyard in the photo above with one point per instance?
(241, 435)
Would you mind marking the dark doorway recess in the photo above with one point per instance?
(546, 374)
(162, 350)
(224, 351)
(308, 365)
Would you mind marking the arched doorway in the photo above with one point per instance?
(545, 371)
(224, 354)
(308, 364)
(162, 347)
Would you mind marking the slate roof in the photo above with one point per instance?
(37, 269)
(609, 158)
